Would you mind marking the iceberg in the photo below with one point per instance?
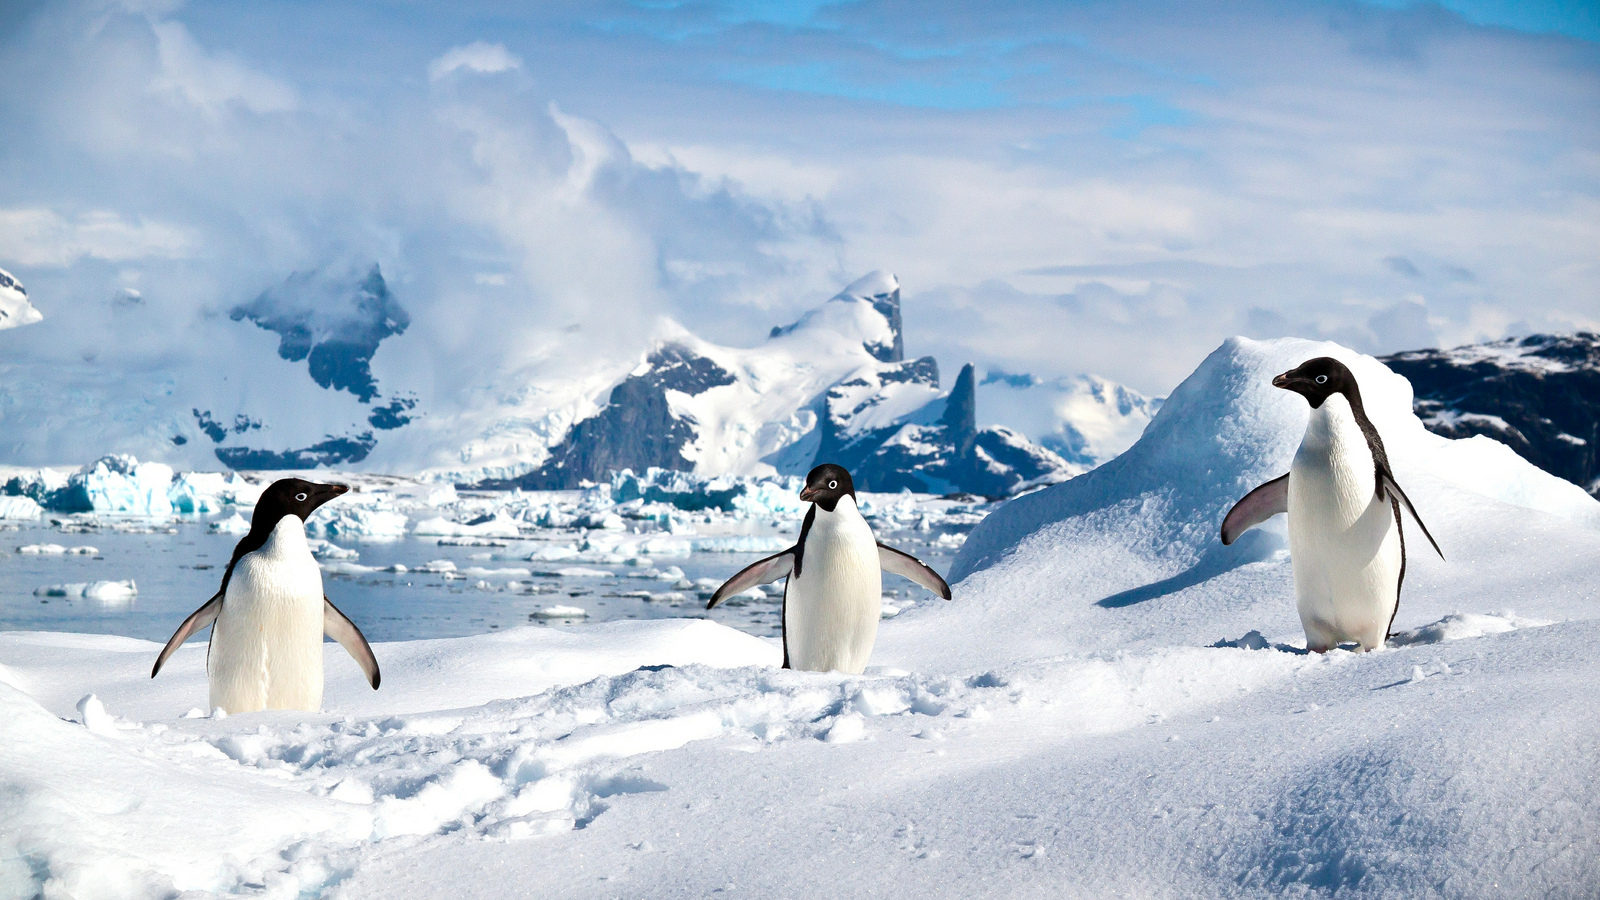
(119, 483)
(19, 508)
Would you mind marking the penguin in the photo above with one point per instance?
(834, 594)
(270, 614)
(1346, 542)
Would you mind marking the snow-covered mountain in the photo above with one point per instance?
(1539, 395)
(328, 368)
(1085, 419)
(15, 310)
(832, 386)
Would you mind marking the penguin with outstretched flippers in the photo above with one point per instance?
(269, 617)
(834, 596)
(1346, 543)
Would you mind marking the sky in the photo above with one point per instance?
(1061, 188)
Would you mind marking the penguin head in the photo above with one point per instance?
(292, 497)
(1318, 379)
(826, 484)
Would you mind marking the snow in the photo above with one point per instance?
(15, 310)
(1086, 419)
(1112, 705)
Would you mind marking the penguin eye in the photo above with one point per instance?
(832, 485)
(301, 497)
(1322, 379)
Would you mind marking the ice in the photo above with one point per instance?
(19, 508)
(499, 524)
(209, 492)
(103, 591)
(121, 484)
(57, 550)
(560, 612)
(325, 550)
(234, 524)
(749, 543)
(343, 521)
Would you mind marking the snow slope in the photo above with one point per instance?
(1109, 707)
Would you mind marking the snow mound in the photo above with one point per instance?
(1226, 429)
(1459, 626)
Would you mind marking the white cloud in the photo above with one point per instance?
(479, 56)
(42, 237)
(211, 81)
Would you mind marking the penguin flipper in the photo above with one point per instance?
(897, 562)
(1392, 487)
(197, 620)
(339, 627)
(1256, 507)
(762, 571)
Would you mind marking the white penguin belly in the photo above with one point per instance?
(831, 609)
(1343, 543)
(266, 646)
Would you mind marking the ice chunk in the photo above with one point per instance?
(743, 543)
(500, 524)
(121, 484)
(560, 612)
(57, 550)
(356, 521)
(102, 591)
(323, 550)
(209, 492)
(234, 524)
(19, 508)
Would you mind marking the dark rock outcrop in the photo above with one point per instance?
(635, 430)
(1539, 395)
(331, 452)
(333, 324)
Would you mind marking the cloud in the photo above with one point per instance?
(1060, 188)
(1402, 266)
(481, 57)
(43, 237)
(213, 82)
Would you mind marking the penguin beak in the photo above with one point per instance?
(809, 494)
(1282, 381)
(325, 492)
